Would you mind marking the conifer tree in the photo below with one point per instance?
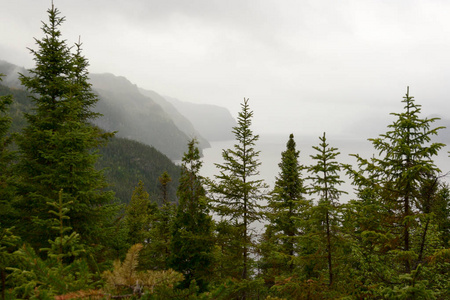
(164, 180)
(441, 209)
(286, 206)
(64, 270)
(192, 241)
(58, 145)
(8, 256)
(139, 215)
(157, 250)
(325, 182)
(237, 190)
(404, 180)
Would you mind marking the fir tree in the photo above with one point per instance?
(286, 206)
(325, 182)
(407, 164)
(164, 180)
(192, 242)
(157, 250)
(403, 179)
(441, 209)
(237, 190)
(139, 215)
(58, 145)
(64, 270)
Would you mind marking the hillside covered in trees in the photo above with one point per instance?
(64, 236)
(146, 116)
(124, 161)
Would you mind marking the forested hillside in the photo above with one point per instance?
(145, 116)
(125, 161)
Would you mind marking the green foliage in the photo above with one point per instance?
(285, 207)
(35, 277)
(192, 240)
(126, 162)
(157, 247)
(139, 215)
(58, 144)
(325, 182)
(239, 289)
(392, 242)
(18, 107)
(325, 175)
(441, 211)
(227, 261)
(8, 241)
(123, 161)
(237, 193)
(5, 123)
(164, 181)
(8, 245)
(394, 227)
(6, 159)
(65, 270)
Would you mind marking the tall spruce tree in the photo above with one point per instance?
(192, 240)
(58, 145)
(139, 215)
(325, 181)
(157, 250)
(403, 180)
(285, 207)
(237, 190)
(164, 180)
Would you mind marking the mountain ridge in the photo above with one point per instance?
(213, 122)
(142, 115)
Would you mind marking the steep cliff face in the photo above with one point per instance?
(135, 116)
(213, 122)
(179, 119)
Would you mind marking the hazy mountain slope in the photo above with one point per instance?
(135, 116)
(12, 74)
(127, 111)
(213, 122)
(163, 122)
(180, 120)
(125, 161)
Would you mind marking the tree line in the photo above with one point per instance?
(63, 236)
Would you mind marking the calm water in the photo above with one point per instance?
(271, 147)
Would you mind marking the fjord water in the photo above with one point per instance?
(271, 146)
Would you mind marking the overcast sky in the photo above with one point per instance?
(307, 66)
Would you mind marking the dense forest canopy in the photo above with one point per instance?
(64, 235)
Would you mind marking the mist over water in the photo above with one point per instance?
(271, 146)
